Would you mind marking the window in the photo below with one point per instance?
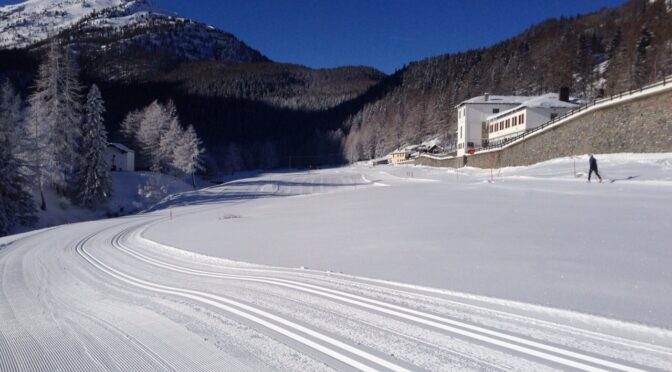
(522, 118)
(460, 132)
(515, 121)
(495, 111)
(508, 122)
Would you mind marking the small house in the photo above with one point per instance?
(120, 158)
(400, 156)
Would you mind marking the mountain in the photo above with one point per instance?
(32, 21)
(232, 94)
(596, 54)
(123, 39)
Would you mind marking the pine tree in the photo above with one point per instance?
(93, 176)
(16, 204)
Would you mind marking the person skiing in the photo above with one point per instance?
(593, 167)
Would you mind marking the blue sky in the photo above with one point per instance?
(384, 34)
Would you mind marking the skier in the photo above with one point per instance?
(593, 167)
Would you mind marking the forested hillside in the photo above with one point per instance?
(241, 103)
(595, 55)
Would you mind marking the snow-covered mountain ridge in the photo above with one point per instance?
(110, 25)
(32, 21)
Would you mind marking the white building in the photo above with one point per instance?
(472, 116)
(120, 157)
(528, 115)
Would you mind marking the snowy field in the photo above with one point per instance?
(537, 234)
(386, 268)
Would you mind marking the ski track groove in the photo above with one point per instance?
(252, 314)
(479, 333)
(45, 332)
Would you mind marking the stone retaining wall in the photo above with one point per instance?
(641, 125)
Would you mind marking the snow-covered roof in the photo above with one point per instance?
(493, 99)
(119, 147)
(432, 143)
(549, 100)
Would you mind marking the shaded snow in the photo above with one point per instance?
(126, 198)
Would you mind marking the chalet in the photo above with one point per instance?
(120, 157)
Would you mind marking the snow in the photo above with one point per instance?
(537, 234)
(441, 270)
(32, 21)
(126, 199)
(499, 99)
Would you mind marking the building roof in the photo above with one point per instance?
(549, 100)
(493, 99)
(119, 147)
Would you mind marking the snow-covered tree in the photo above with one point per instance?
(169, 141)
(153, 123)
(65, 130)
(42, 114)
(93, 176)
(11, 117)
(16, 204)
(54, 122)
(188, 154)
(162, 144)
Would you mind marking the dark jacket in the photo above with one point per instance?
(593, 163)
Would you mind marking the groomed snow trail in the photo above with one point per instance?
(105, 296)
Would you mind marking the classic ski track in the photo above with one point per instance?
(389, 288)
(514, 343)
(252, 314)
(29, 354)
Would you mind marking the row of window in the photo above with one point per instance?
(508, 123)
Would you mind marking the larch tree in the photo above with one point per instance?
(152, 125)
(54, 121)
(65, 131)
(188, 154)
(44, 106)
(93, 175)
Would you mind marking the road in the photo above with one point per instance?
(103, 296)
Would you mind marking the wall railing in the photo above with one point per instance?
(667, 80)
